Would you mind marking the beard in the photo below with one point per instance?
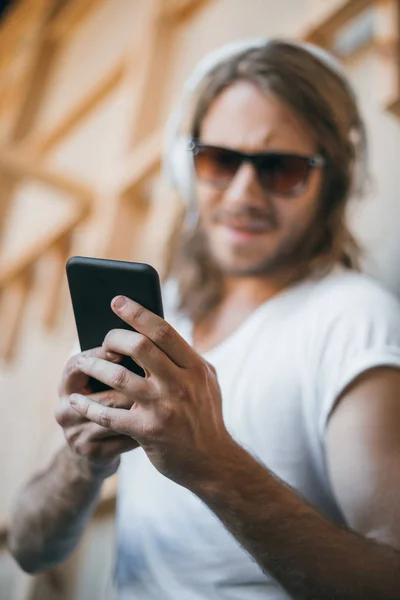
(292, 252)
(200, 271)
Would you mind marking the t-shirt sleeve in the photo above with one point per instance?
(358, 334)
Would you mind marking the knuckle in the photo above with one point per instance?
(152, 431)
(91, 353)
(108, 399)
(138, 313)
(142, 345)
(83, 447)
(203, 370)
(120, 378)
(104, 419)
(182, 391)
(169, 415)
(163, 332)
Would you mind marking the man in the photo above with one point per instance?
(269, 418)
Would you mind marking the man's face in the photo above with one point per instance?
(250, 230)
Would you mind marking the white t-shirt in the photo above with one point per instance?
(280, 373)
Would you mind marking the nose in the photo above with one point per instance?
(245, 189)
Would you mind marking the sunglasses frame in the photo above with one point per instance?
(313, 161)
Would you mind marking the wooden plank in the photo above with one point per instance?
(139, 165)
(47, 140)
(58, 255)
(128, 226)
(10, 93)
(147, 76)
(14, 24)
(126, 208)
(12, 309)
(179, 11)
(71, 16)
(25, 167)
(387, 47)
(35, 86)
(31, 93)
(323, 30)
(83, 199)
(33, 252)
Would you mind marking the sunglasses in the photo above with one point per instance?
(279, 173)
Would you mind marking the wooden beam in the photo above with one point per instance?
(58, 255)
(34, 88)
(42, 144)
(179, 11)
(10, 92)
(83, 199)
(71, 16)
(148, 76)
(323, 30)
(20, 17)
(13, 269)
(387, 47)
(12, 310)
(25, 167)
(31, 91)
(139, 165)
(42, 56)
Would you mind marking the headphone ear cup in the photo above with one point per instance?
(182, 169)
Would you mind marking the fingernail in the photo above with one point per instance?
(112, 356)
(76, 400)
(119, 302)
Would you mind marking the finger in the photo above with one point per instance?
(112, 398)
(117, 445)
(73, 378)
(142, 350)
(117, 377)
(116, 419)
(156, 329)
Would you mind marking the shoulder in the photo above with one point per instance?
(355, 299)
(353, 326)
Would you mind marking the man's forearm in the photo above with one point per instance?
(309, 556)
(51, 512)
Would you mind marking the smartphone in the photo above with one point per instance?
(93, 283)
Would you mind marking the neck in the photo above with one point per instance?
(240, 297)
(255, 289)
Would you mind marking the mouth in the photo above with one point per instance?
(246, 230)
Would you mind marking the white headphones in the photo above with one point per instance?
(177, 161)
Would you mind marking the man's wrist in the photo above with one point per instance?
(91, 470)
(219, 473)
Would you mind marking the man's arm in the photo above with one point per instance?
(308, 555)
(176, 415)
(51, 511)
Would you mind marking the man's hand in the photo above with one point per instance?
(174, 413)
(95, 448)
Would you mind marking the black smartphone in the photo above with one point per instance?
(93, 283)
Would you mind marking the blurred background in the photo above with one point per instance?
(85, 90)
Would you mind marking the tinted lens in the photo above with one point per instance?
(216, 165)
(283, 174)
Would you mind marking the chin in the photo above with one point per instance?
(246, 266)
